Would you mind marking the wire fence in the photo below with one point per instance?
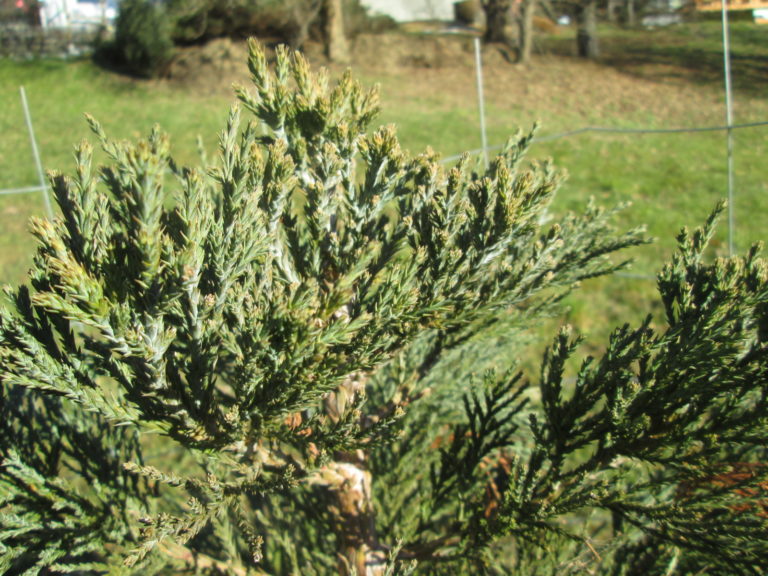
(728, 128)
(24, 190)
(610, 130)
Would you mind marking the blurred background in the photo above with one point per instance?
(630, 96)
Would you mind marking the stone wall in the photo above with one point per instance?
(24, 42)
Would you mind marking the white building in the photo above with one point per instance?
(77, 13)
(90, 13)
(410, 10)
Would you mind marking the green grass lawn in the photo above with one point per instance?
(671, 180)
(59, 94)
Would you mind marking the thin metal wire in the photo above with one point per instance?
(610, 130)
(35, 153)
(635, 276)
(729, 127)
(25, 190)
(557, 136)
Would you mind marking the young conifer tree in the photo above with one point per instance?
(298, 360)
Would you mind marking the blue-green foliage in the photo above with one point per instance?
(266, 364)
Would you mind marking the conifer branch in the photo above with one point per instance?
(266, 364)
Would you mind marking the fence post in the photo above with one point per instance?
(35, 153)
(481, 100)
(728, 119)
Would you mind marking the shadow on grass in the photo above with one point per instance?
(691, 52)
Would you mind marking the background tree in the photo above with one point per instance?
(630, 18)
(525, 27)
(143, 44)
(336, 45)
(303, 14)
(498, 17)
(586, 34)
(147, 32)
(612, 8)
(299, 359)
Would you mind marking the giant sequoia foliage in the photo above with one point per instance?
(299, 359)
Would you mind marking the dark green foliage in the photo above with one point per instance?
(358, 20)
(664, 437)
(143, 43)
(147, 31)
(269, 364)
(202, 20)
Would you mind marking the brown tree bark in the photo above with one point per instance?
(336, 44)
(346, 484)
(629, 13)
(349, 489)
(303, 14)
(525, 37)
(497, 18)
(586, 37)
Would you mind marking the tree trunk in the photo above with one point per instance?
(546, 7)
(586, 37)
(349, 487)
(612, 11)
(497, 14)
(336, 45)
(346, 484)
(525, 37)
(629, 13)
(303, 15)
